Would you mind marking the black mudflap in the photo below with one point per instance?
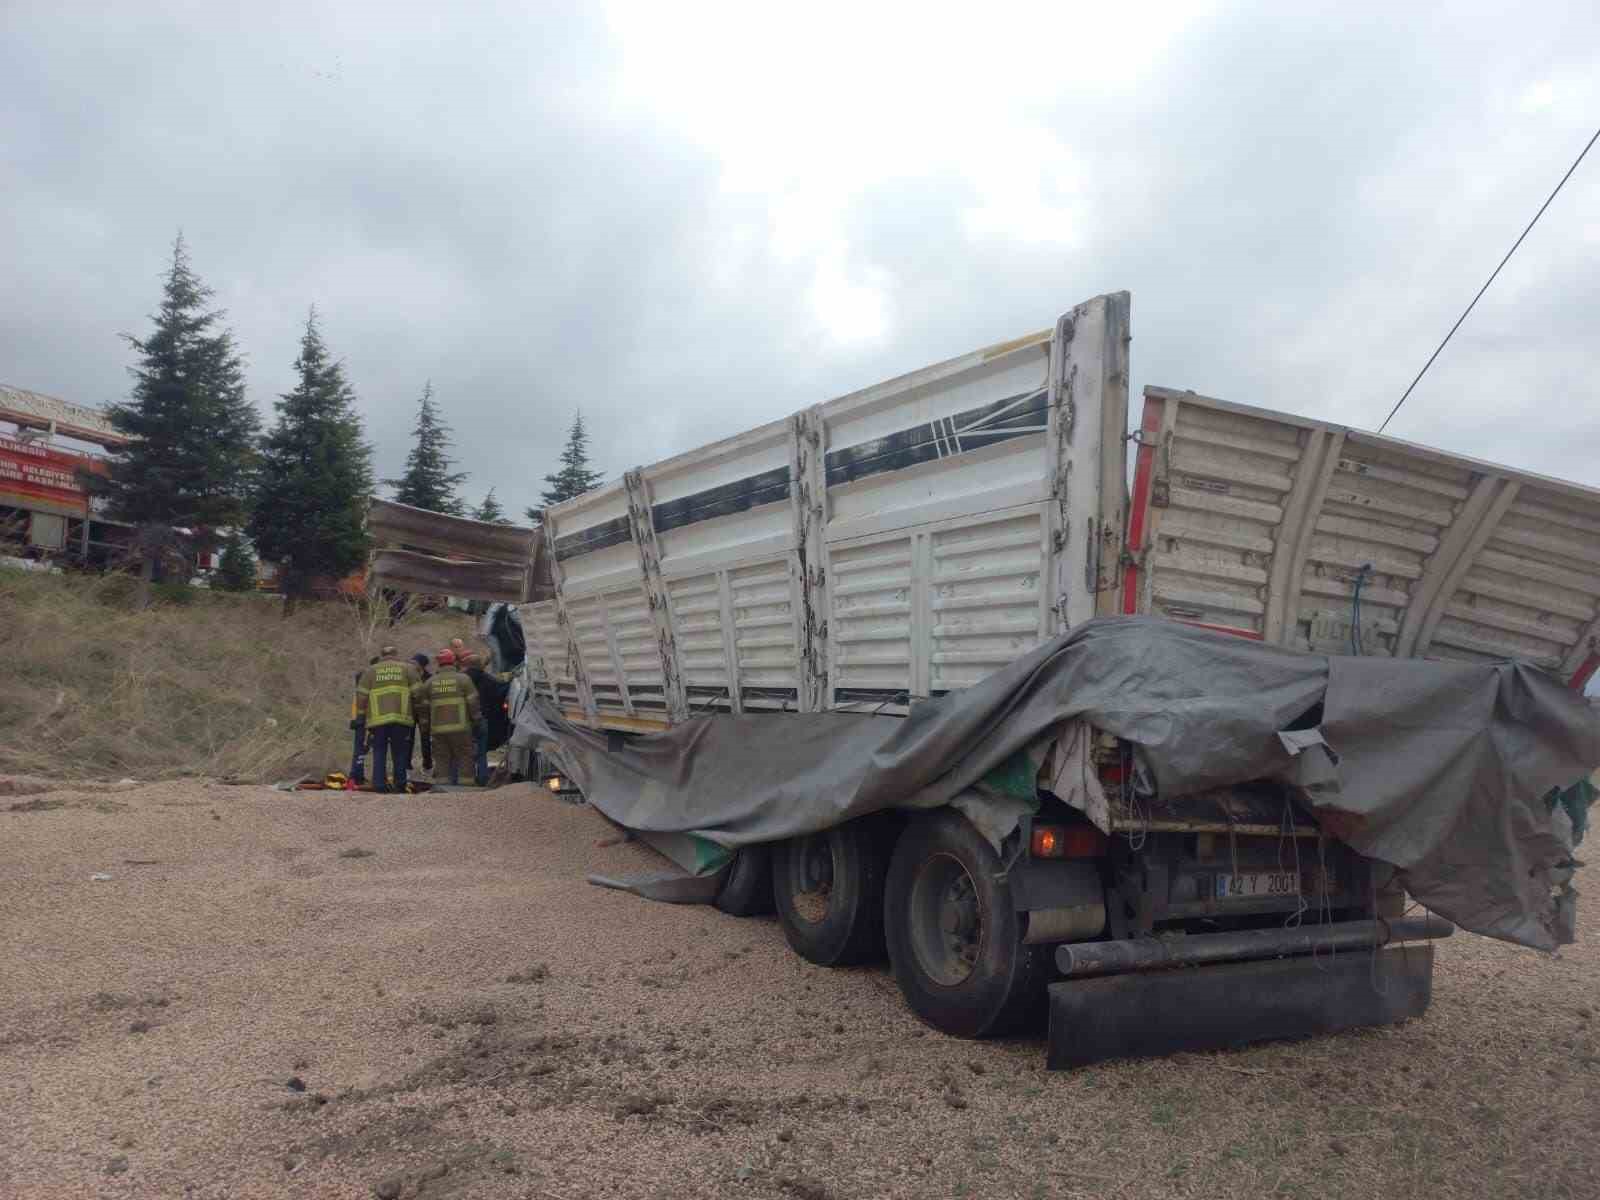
(1217, 1007)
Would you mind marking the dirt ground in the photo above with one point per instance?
(314, 995)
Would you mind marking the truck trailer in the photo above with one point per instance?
(1289, 695)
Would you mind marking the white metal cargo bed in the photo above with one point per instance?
(1286, 530)
(913, 537)
(891, 544)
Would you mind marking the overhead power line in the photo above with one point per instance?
(1490, 280)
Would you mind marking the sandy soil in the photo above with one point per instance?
(311, 995)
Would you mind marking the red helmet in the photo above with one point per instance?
(447, 658)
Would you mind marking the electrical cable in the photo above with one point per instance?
(1356, 647)
(1490, 280)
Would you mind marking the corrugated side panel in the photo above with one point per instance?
(737, 636)
(902, 540)
(936, 543)
(985, 602)
(1382, 519)
(870, 637)
(936, 608)
(766, 636)
(587, 619)
(1224, 485)
(537, 674)
(698, 631)
(1533, 590)
(724, 524)
(1314, 536)
(634, 650)
(547, 661)
(595, 628)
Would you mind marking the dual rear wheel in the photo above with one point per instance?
(828, 890)
(935, 903)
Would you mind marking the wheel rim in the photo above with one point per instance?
(946, 921)
(811, 871)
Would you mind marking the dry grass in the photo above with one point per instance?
(201, 683)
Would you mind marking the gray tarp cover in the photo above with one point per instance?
(1438, 768)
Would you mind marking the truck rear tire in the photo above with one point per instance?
(954, 938)
(828, 890)
(747, 887)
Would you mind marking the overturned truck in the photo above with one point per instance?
(1204, 760)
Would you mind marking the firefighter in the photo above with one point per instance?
(451, 714)
(358, 724)
(424, 743)
(387, 696)
(492, 702)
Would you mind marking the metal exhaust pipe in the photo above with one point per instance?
(1150, 954)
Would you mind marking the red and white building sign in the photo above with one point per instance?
(43, 479)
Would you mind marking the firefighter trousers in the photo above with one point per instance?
(391, 742)
(452, 755)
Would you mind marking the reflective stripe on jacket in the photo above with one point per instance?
(452, 702)
(385, 692)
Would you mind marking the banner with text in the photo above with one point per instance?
(42, 479)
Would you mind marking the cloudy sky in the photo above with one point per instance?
(687, 219)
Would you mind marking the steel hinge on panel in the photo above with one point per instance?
(1094, 559)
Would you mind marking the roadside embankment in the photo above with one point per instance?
(200, 684)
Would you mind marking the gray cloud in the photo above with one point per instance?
(529, 208)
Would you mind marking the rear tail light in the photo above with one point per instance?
(1067, 841)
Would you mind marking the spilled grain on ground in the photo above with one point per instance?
(247, 1007)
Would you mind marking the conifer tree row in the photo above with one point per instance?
(196, 472)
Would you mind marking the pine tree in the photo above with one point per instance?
(428, 481)
(189, 462)
(236, 570)
(491, 511)
(316, 476)
(575, 476)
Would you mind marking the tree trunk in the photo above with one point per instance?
(293, 588)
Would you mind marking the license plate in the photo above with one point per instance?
(1258, 886)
